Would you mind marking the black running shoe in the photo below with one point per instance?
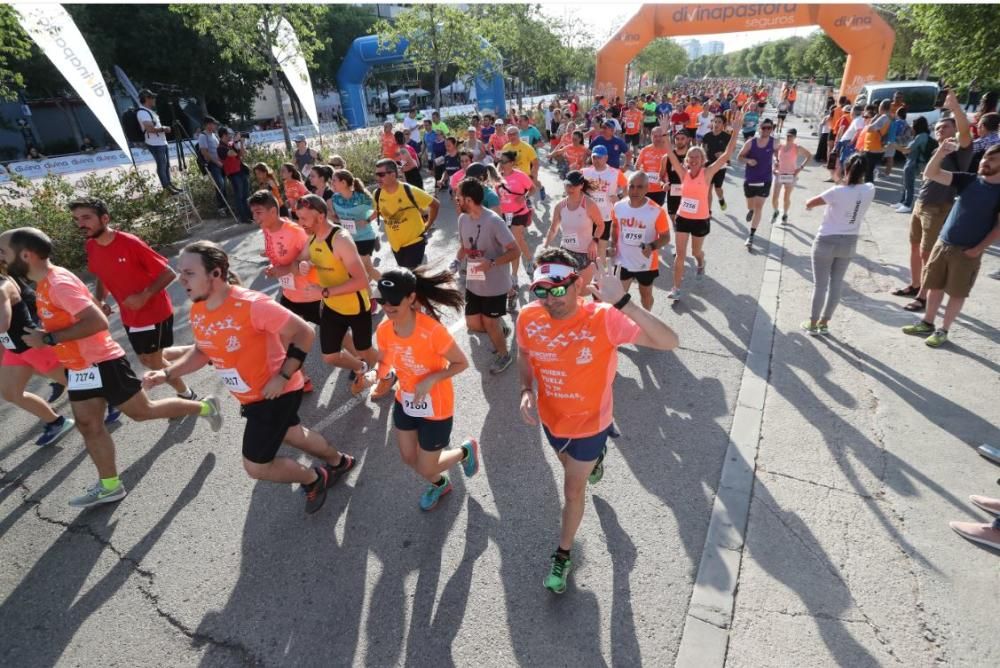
(316, 492)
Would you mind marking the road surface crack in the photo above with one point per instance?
(197, 638)
(869, 497)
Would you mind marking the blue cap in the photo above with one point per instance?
(600, 151)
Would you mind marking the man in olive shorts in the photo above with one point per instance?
(973, 225)
(934, 202)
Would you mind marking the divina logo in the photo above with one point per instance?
(854, 22)
(726, 12)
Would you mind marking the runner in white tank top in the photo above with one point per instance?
(789, 160)
(607, 186)
(581, 222)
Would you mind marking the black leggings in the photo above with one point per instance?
(872, 161)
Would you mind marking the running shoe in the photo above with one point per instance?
(700, 271)
(902, 208)
(335, 473)
(455, 266)
(541, 194)
(823, 328)
(113, 415)
(994, 274)
(307, 386)
(722, 204)
(529, 269)
(55, 430)
(470, 465)
(512, 299)
(919, 328)
(749, 215)
(674, 294)
(384, 386)
(362, 382)
(937, 339)
(56, 390)
(215, 417)
(190, 395)
(555, 581)
(809, 328)
(501, 362)
(774, 216)
(598, 472)
(429, 499)
(316, 491)
(784, 219)
(96, 495)
(749, 242)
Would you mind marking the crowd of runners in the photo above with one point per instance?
(639, 175)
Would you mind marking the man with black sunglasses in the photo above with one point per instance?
(569, 347)
(401, 208)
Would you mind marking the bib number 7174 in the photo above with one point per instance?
(85, 379)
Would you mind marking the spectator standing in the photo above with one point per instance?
(304, 157)
(231, 152)
(917, 152)
(208, 145)
(155, 138)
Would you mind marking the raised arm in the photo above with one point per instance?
(933, 169)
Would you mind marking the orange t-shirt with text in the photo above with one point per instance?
(576, 156)
(242, 339)
(416, 357)
(389, 146)
(574, 362)
(693, 111)
(649, 162)
(60, 297)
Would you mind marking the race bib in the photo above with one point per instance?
(85, 379)
(233, 381)
(689, 205)
(422, 409)
(630, 125)
(473, 272)
(7, 342)
(349, 225)
(633, 237)
(653, 177)
(147, 328)
(676, 189)
(509, 217)
(439, 161)
(287, 281)
(570, 240)
(786, 178)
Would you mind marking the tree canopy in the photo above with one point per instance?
(663, 58)
(14, 46)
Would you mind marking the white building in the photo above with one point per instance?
(692, 47)
(712, 48)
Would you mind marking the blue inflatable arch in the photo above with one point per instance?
(365, 54)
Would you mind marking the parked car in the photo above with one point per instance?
(921, 97)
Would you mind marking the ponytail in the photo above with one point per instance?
(855, 169)
(437, 289)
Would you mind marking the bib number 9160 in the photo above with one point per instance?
(423, 408)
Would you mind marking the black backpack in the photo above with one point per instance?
(133, 128)
(409, 193)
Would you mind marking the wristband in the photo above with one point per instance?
(527, 389)
(49, 339)
(620, 304)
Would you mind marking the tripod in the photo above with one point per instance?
(184, 138)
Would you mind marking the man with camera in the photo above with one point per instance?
(208, 147)
(155, 138)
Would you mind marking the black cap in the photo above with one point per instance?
(476, 170)
(792, 131)
(395, 285)
(575, 178)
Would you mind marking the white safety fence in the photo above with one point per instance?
(810, 102)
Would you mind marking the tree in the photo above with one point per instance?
(795, 54)
(439, 37)
(664, 57)
(904, 61)
(347, 22)
(247, 34)
(15, 45)
(959, 41)
(823, 57)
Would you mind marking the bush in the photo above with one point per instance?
(137, 205)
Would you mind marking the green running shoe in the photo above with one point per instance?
(919, 328)
(722, 204)
(555, 581)
(937, 339)
(429, 499)
(809, 328)
(96, 495)
(470, 465)
(823, 328)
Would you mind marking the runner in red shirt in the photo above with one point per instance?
(243, 333)
(99, 374)
(137, 277)
(568, 347)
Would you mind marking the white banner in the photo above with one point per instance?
(288, 54)
(60, 40)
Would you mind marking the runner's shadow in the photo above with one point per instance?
(52, 602)
(625, 649)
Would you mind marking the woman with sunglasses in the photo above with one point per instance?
(513, 189)
(413, 342)
(579, 219)
(569, 351)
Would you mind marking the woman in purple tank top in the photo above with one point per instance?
(758, 155)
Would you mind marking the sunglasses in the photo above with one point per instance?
(379, 175)
(382, 301)
(555, 291)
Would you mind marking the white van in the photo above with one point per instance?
(920, 97)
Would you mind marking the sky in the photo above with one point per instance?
(604, 18)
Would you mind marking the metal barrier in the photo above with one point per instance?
(810, 103)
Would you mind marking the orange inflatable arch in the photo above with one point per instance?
(857, 29)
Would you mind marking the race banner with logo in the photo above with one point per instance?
(53, 30)
(289, 56)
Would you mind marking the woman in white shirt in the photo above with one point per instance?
(836, 240)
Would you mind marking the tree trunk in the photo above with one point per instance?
(437, 87)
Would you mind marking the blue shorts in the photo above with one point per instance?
(846, 150)
(587, 449)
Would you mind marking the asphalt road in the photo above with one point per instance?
(201, 565)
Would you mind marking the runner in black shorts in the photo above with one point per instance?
(412, 256)
(153, 338)
(643, 278)
(714, 143)
(308, 311)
